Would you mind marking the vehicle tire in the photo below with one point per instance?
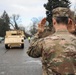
(6, 46)
(22, 46)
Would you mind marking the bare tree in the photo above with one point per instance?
(14, 20)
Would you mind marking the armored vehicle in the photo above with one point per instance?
(14, 38)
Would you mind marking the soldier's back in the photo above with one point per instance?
(59, 51)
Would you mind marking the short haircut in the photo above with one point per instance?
(63, 20)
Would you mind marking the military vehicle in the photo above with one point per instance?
(14, 38)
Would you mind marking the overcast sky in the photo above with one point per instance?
(27, 9)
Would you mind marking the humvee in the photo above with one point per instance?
(14, 38)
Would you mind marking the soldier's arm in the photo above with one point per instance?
(35, 50)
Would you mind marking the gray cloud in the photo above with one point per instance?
(25, 8)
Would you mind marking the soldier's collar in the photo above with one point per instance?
(62, 31)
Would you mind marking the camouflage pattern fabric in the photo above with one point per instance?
(60, 12)
(58, 53)
(47, 31)
(65, 12)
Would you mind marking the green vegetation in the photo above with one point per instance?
(4, 24)
(7, 22)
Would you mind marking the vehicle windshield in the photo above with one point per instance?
(16, 34)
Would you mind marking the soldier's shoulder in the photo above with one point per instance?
(53, 37)
(50, 40)
(40, 40)
(73, 38)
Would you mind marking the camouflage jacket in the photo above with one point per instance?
(58, 53)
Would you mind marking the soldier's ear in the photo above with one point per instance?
(71, 25)
(69, 21)
(54, 21)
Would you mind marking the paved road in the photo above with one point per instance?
(17, 62)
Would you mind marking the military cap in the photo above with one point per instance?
(61, 12)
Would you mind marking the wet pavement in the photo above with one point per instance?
(17, 62)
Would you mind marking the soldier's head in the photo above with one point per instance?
(61, 15)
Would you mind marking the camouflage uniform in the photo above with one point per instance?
(58, 53)
(47, 31)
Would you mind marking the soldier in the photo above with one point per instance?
(58, 51)
(43, 30)
(71, 25)
(29, 39)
